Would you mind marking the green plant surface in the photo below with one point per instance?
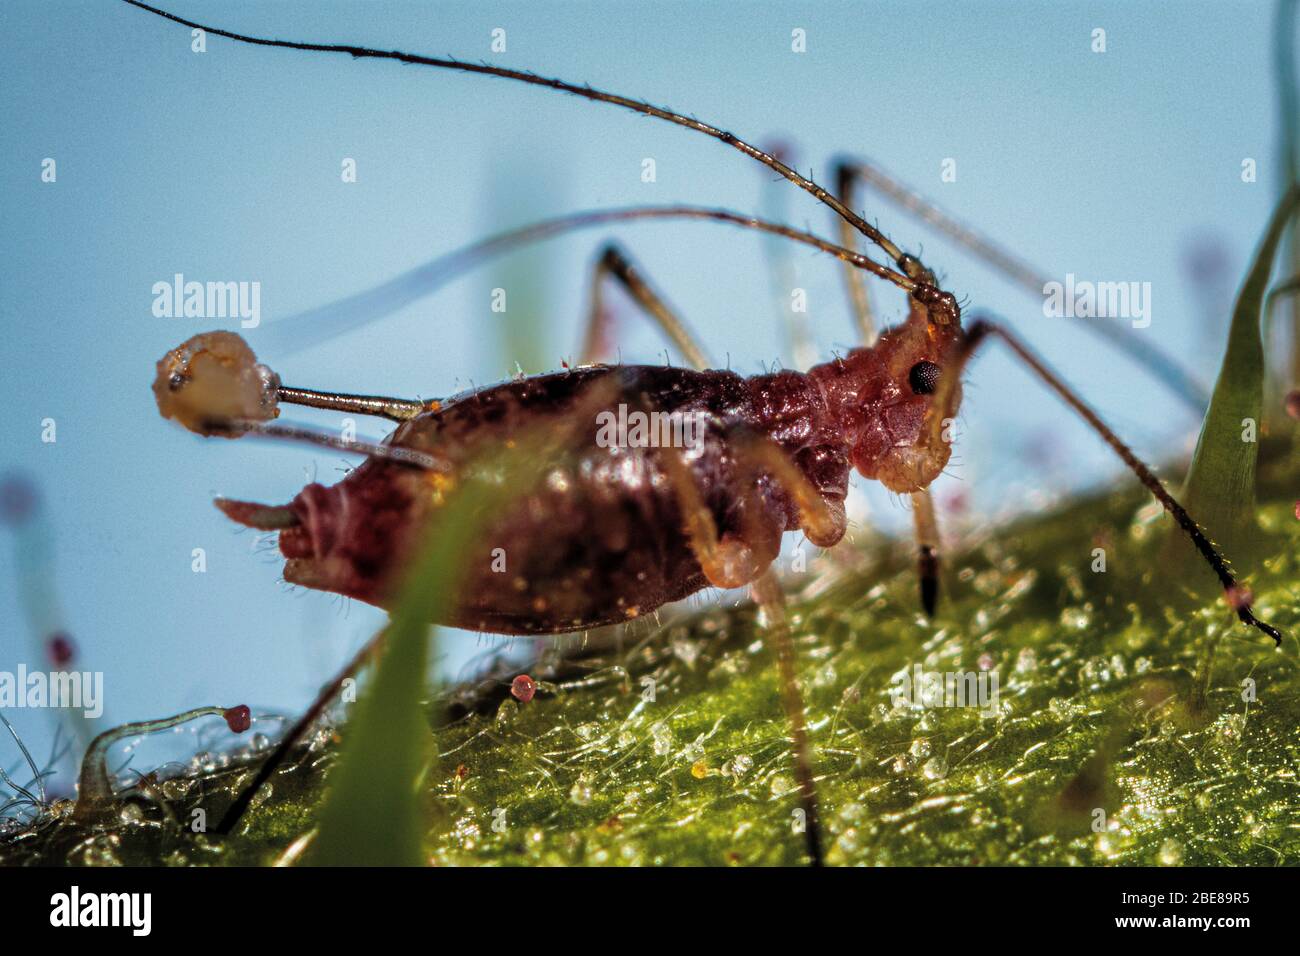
(1098, 712)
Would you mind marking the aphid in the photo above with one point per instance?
(618, 529)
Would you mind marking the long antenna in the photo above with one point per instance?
(585, 91)
(1237, 597)
(1018, 271)
(348, 313)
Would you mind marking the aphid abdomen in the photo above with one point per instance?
(601, 540)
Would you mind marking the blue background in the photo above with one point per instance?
(226, 166)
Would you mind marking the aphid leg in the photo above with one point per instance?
(767, 592)
(821, 517)
(847, 174)
(394, 409)
(329, 693)
(859, 298)
(927, 544)
(982, 329)
(1032, 280)
(729, 562)
(614, 263)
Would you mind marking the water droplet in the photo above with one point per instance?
(740, 765)
(507, 711)
(1061, 708)
(204, 762)
(582, 790)
(663, 739)
(176, 788)
(1075, 618)
(848, 841)
(1230, 731)
(936, 768)
(1171, 853)
(920, 748)
(1095, 672)
(686, 650)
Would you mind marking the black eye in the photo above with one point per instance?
(924, 378)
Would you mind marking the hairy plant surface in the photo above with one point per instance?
(1111, 743)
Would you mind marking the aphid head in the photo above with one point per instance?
(214, 378)
(886, 395)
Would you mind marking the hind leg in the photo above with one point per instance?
(733, 560)
(615, 264)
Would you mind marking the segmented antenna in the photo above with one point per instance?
(585, 91)
(1018, 271)
(350, 312)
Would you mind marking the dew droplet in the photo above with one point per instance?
(582, 790)
(663, 739)
(936, 768)
(740, 765)
(1171, 853)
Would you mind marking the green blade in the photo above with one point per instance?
(372, 814)
(1220, 488)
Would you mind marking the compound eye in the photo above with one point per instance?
(924, 378)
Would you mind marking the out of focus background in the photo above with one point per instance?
(226, 165)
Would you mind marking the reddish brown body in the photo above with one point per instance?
(602, 539)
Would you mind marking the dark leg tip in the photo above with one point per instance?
(928, 571)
